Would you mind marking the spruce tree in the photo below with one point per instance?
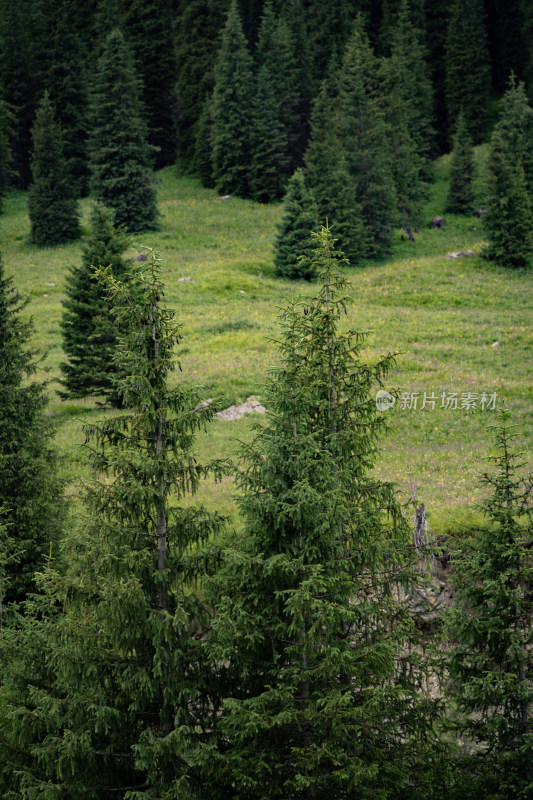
(119, 702)
(275, 51)
(327, 175)
(197, 31)
(510, 182)
(21, 79)
(323, 152)
(409, 60)
(467, 68)
(362, 137)
(66, 82)
(491, 623)
(460, 197)
(30, 502)
(203, 165)
(509, 209)
(7, 120)
(148, 28)
(268, 141)
(303, 86)
(89, 331)
(309, 640)
(516, 127)
(52, 197)
(300, 217)
(120, 156)
(231, 110)
(408, 101)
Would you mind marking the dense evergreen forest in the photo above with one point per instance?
(147, 650)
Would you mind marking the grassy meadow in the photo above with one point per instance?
(442, 317)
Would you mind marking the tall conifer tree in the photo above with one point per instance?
(467, 68)
(308, 639)
(328, 178)
(460, 197)
(149, 32)
(115, 710)
(7, 120)
(275, 50)
(53, 206)
(492, 625)
(304, 87)
(30, 492)
(21, 78)
(509, 209)
(66, 81)
(231, 110)
(90, 333)
(510, 183)
(197, 32)
(268, 142)
(120, 156)
(362, 137)
(408, 84)
(516, 127)
(294, 240)
(203, 164)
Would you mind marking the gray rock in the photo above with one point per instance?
(252, 405)
(460, 254)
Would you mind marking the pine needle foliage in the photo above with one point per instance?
(408, 102)
(7, 120)
(30, 504)
(120, 156)
(89, 330)
(460, 197)
(492, 663)
(467, 67)
(203, 166)
(268, 140)
(231, 110)
(327, 176)
(309, 638)
(362, 135)
(121, 708)
(510, 183)
(53, 207)
(294, 244)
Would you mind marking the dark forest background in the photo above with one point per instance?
(470, 48)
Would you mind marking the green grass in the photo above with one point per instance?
(440, 316)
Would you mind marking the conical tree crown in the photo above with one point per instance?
(509, 209)
(306, 635)
(90, 333)
(509, 182)
(120, 157)
(467, 67)
(492, 626)
(268, 139)
(231, 109)
(127, 599)
(30, 505)
(363, 138)
(300, 218)
(516, 128)
(52, 198)
(149, 29)
(462, 171)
